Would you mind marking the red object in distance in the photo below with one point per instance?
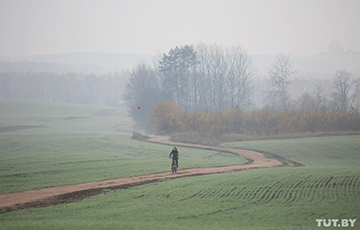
(138, 107)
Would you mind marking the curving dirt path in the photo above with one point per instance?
(41, 197)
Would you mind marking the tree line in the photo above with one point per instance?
(201, 87)
(201, 77)
(91, 89)
(166, 117)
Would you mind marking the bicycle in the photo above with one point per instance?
(174, 165)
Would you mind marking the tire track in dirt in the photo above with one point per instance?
(56, 195)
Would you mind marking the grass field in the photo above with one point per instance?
(59, 117)
(277, 198)
(327, 187)
(337, 151)
(70, 151)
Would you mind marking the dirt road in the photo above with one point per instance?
(66, 193)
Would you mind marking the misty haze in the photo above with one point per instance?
(179, 114)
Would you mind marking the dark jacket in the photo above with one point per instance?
(175, 153)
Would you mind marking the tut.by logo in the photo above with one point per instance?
(336, 222)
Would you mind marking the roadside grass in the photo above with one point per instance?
(210, 139)
(337, 151)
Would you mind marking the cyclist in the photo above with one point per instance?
(175, 154)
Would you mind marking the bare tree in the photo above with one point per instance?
(142, 90)
(342, 85)
(225, 77)
(307, 102)
(207, 77)
(217, 70)
(201, 89)
(320, 97)
(280, 73)
(356, 97)
(240, 77)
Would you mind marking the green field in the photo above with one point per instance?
(84, 148)
(280, 198)
(327, 187)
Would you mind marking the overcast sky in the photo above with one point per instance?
(296, 27)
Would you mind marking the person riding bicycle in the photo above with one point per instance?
(175, 155)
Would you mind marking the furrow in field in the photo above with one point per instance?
(309, 194)
(230, 194)
(337, 187)
(274, 191)
(302, 189)
(348, 189)
(288, 193)
(206, 192)
(238, 194)
(357, 182)
(216, 193)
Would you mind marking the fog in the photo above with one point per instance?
(296, 27)
(83, 41)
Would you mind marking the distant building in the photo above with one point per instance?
(335, 47)
(336, 52)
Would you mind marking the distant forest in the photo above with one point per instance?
(91, 89)
(203, 88)
(48, 67)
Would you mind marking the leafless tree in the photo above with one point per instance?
(142, 90)
(280, 73)
(201, 87)
(306, 102)
(320, 97)
(217, 70)
(343, 84)
(240, 77)
(225, 77)
(356, 97)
